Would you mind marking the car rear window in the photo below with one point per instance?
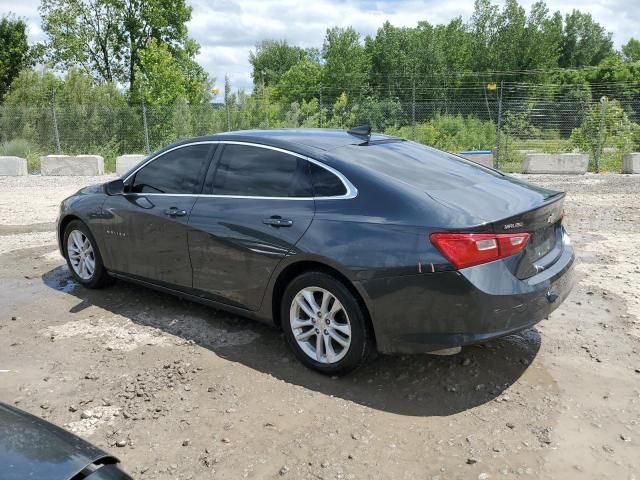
(325, 183)
(245, 170)
(418, 165)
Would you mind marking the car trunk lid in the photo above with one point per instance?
(544, 225)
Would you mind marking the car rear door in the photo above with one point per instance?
(146, 227)
(258, 202)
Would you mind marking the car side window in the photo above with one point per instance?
(179, 171)
(245, 170)
(326, 183)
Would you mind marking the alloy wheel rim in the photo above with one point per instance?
(81, 255)
(320, 325)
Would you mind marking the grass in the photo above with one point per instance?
(16, 148)
(19, 147)
(512, 154)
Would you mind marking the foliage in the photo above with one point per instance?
(14, 50)
(452, 133)
(346, 62)
(631, 50)
(584, 41)
(605, 125)
(272, 58)
(380, 113)
(86, 113)
(511, 40)
(305, 114)
(300, 82)
(164, 79)
(108, 38)
(18, 147)
(518, 123)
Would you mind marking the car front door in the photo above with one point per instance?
(146, 227)
(258, 202)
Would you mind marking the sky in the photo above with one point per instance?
(228, 29)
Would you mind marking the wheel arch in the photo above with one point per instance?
(293, 270)
(62, 226)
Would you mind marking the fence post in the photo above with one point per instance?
(146, 128)
(227, 96)
(56, 134)
(321, 107)
(603, 114)
(413, 110)
(264, 101)
(499, 126)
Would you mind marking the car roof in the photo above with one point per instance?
(318, 138)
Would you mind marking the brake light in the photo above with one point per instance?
(468, 249)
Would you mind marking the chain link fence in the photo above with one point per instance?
(508, 121)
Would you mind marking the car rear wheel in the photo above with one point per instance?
(324, 324)
(83, 256)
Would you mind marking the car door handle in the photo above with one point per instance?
(175, 212)
(277, 221)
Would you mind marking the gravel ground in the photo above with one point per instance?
(179, 391)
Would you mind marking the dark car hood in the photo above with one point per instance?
(33, 448)
(91, 189)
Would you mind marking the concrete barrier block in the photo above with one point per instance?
(78, 165)
(631, 163)
(560, 163)
(125, 163)
(483, 157)
(13, 166)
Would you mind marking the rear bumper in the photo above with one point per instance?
(423, 313)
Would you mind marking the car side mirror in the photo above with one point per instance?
(114, 187)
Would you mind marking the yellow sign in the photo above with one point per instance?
(491, 87)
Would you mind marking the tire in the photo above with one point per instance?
(81, 252)
(318, 341)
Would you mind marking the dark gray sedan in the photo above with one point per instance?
(350, 242)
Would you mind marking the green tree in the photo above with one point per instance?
(631, 50)
(617, 79)
(584, 41)
(14, 50)
(90, 116)
(341, 113)
(272, 58)
(346, 66)
(511, 40)
(606, 125)
(484, 26)
(164, 79)
(395, 58)
(108, 37)
(300, 82)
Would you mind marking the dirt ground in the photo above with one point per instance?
(181, 391)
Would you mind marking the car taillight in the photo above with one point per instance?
(468, 249)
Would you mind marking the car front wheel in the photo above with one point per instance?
(324, 324)
(83, 256)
